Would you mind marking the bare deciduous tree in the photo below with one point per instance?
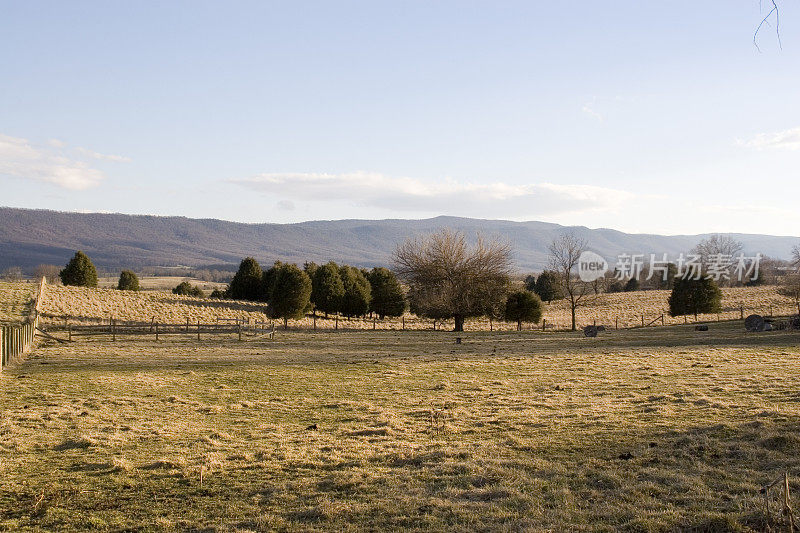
(717, 245)
(796, 255)
(449, 279)
(565, 251)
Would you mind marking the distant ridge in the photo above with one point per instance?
(29, 237)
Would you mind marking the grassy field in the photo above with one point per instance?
(653, 429)
(623, 309)
(16, 300)
(161, 283)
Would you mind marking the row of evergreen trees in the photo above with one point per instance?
(332, 288)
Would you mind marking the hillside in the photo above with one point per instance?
(31, 237)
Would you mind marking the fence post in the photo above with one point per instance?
(404, 322)
(336, 324)
(544, 324)
(741, 311)
(156, 324)
(239, 331)
(315, 321)
(373, 322)
(198, 329)
(662, 319)
(642, 320)
(490, 324)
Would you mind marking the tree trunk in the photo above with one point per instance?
(285, 323)
(459, 323)
(573, 318)
(519, 325)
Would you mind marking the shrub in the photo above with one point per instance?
(694, 296)
(79, 271)
(548, 286)
(246, 283)
(218, 294)
(632, 285)
(523, 306)
(327, 288)
(128, 281)
(357, 292)
(291, 292)
(185, 288)
(388, 298)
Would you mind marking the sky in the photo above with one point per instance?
(643, 116)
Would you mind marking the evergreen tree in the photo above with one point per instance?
(357, 292)
(328, 290)
(246, 283)
(694, 296)
(128, 281)
(548, 286)
(185, 288)
(523, 306)
(631, 285)
(291, 292)
(79, 271)
(388, 298)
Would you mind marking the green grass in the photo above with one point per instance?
(505, 431)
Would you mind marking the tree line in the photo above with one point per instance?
(439, 276)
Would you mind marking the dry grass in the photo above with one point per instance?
(624, 309)
(161, 283)
(16, 300)
(628, 307)
(657, 429)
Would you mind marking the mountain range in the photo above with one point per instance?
(29, 237)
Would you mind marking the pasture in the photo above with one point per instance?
(654, 429)
(623, 309)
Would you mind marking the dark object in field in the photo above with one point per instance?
(312, 426)
(794, 322)
(754, 323)
(701, 328)
(627, 456)
(590, 331)
(458, 340)
(601, 328)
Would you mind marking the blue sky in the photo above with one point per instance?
(640, 116)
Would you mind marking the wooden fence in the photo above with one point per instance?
(17, 339)
(158, 329)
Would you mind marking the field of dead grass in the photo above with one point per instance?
(161, 283)
(624, 309)
(16, 300)
(655, 429)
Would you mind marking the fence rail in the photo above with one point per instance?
(17, 339)
(159, 329)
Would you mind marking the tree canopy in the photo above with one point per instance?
(79, 271)
(327, 288)
(523, 306)
(246, 283)
(548, 286)
(291, 292)
(449, 279)
(694, 296)
(128, 281)
(388, 298)
(357, 291)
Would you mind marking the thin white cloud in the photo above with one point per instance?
(105, 157)
(787, 140)
(589, 110)
(51, 163)
(442, 197)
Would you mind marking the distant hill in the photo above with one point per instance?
(30, 237)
